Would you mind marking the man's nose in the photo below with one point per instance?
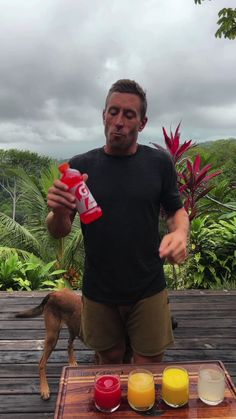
(119, 120)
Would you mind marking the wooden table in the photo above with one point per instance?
(75, 397)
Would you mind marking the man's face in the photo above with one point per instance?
(122, 122)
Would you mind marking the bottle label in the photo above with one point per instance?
(84, 199)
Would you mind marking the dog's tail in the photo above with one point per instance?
(36, 311)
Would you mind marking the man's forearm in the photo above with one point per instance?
(178, 221)
(59, 225)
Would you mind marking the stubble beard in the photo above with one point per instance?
(120, 145)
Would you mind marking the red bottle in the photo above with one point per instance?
(86, 205)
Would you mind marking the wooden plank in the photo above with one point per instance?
(180, 343)
(181, 332)
(27, 334)
(185, 292)
(23, 386)
(36, 345)
(26, 415)
(22, 357)
(193, 304)
(184, 312)
(33, 404)
(184, 322)
(29, 370)
(84, 357)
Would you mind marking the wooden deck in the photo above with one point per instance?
(206, 331)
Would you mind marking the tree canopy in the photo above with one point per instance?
(226, 22)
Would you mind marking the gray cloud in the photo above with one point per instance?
(58, 58)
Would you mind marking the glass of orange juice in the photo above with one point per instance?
(175, 386)
(141, 389)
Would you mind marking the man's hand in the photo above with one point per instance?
(59, 199)
(173, 247)
(62, 203)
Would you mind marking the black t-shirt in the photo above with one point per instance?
(122, 263)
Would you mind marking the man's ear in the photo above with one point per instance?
(103, 116)
(142, 124)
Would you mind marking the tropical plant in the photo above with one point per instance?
(29, 274)
(33, 237)
(226, 22)
(212, 258)
(31, 163)
(10, 271)
(39, 274)
(193, 180)
(194, 184)
(206, 267)
(173, 145)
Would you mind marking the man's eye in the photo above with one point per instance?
(129, 115)
(113, 111)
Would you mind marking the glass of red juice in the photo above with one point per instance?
(107, 391)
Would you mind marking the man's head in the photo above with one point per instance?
(124, 116)
(129, 86)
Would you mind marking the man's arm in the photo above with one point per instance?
(174, 245)
(58, 224)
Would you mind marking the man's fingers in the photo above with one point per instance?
(172, 248)
(59, 196)
(166, 246)
(59, 202)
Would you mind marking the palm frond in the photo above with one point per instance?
(15, 235)
(74, 248)
(7, 252)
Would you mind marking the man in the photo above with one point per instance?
(124, 290)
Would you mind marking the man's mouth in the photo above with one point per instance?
(118, 134)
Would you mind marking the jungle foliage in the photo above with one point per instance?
(31, 259)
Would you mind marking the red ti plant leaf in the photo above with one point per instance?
(193, 181)
(173, 144)
(168, 140)
(184, 147)
(194, 184)
(196, 164)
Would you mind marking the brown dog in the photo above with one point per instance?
(58, 307)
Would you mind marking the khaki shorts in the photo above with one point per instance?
(147, 323)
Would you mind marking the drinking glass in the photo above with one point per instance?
(175, 386)
(141, 389)
(107, 391)
(211, 384)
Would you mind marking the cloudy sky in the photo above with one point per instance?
(58, 58)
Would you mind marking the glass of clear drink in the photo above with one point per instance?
(211, 384)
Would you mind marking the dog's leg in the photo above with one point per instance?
(71, 352)
(52, 325)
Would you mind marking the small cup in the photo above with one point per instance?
(107, 391)
(211, 384)
(141, 389)
(175, 386)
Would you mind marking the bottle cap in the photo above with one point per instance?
(63, 167)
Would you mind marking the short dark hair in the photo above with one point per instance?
(129, 86)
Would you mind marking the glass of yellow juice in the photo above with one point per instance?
(141, 389)
(175, 386)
